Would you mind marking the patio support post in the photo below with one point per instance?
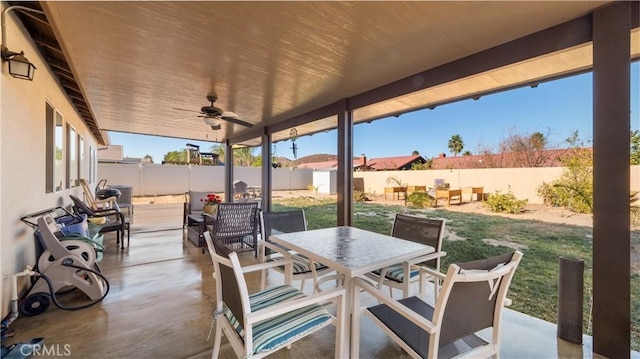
(267, 170)
(228, 172)
(611, 182)
(345, 163)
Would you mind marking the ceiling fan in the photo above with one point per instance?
(213, 115)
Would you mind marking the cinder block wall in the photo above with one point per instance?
(523, 182)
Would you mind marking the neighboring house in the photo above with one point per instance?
(325, 165)
(547, 158)
(373, 164)
(394, 163)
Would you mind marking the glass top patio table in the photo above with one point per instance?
(350, 250)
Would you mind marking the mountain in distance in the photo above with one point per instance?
(285, 162)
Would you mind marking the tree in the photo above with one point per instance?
(456, 144)
(415, 153)
(423, 166)
(242, 156)
(179, 156)
(148, 159)
(525, 151)
(635, 148)
(518, 150)
(218, 150)
(466, 153)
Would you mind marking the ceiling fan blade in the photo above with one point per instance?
(236, 121)
(229, 114)
(184, 109)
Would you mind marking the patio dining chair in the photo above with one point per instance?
(471, 300)
(236, 226)
(115, 220)
(259, 324)
(287, 222)
(416, 229)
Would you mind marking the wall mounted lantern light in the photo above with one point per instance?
(19, 66)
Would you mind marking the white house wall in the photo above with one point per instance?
(22, 154)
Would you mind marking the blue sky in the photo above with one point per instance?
(554, 108)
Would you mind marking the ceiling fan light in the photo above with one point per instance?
(212, 121)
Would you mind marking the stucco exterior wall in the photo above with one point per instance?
(22, 154)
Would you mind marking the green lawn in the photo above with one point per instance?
(534, 289)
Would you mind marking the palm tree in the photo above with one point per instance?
(242, 156)
(456, 145)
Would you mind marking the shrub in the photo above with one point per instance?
(360, 196)
(505, 203)
(421, 200)
(574, 189)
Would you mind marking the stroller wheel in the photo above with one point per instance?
(34, 304)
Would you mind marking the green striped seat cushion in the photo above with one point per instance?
(274, 333)
(301, 263)
(396, 273)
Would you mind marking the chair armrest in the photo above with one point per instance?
(106, 203)
(427, 257)
(276, 248)
(432, 272)
(265, 265)
(109, 200)
(406, 312)
(107, 212)
(289, 306)
(327, 278)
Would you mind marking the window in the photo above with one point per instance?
(72, 157)
(92, 164)
(58, 172)
(81, 159)
(50, 150)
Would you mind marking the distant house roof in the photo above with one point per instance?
(375, 164)
(547, 158)
(325, 165)
(393, 163)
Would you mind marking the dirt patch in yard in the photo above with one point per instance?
(497, 243)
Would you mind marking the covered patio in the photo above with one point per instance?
(313, 66)
(163, 295)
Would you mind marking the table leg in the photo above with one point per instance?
(348, 298)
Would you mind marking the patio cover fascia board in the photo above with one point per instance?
(570, 34)
(326, 111)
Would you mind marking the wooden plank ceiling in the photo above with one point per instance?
(135, 63)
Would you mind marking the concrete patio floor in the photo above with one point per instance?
(162, 296)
